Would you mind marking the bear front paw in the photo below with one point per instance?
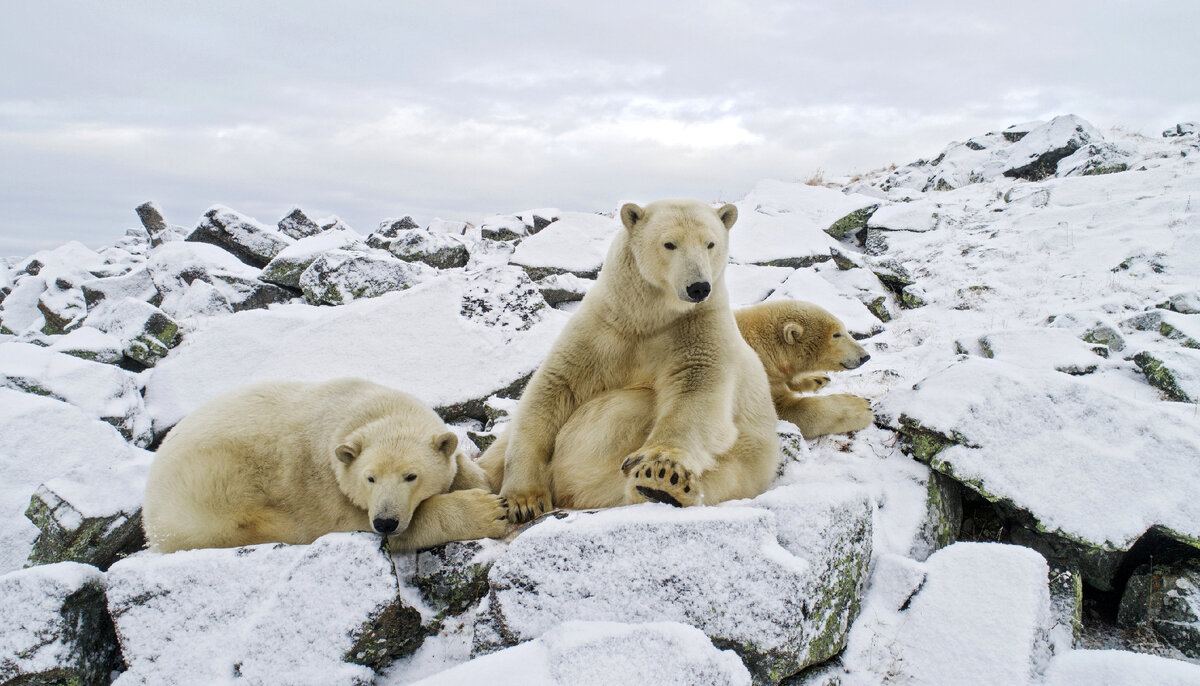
(808, 383)
(523, 506)
(653, 475)
(488, 512)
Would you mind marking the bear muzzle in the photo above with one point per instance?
(855, 364)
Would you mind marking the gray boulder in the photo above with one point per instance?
(440, 250)
(1038, 153)
(135, 284)
(54, 628)
(285, 269)
(1186, 128)
(1165, 598)
(157, 229)
(251, 242)
(452, 578)
(266, 614)
(341, 276)
(297, 225)
(562, 288)
(146, 333)
(778, 580)
(504, 298)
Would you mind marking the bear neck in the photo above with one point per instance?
(643, 308)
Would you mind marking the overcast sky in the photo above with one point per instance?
(377, 109)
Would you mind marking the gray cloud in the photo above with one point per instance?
(371, 110)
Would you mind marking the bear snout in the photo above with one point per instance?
(698, 291)
(385, 525)
(857, 363)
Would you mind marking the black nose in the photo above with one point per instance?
(699, 291)
(384, 526)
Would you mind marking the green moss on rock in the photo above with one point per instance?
(1159, 375)
(849, 224)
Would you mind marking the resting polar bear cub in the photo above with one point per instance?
(798, 341)
(290, 462)
(650, 378)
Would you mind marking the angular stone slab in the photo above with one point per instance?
(439, 250)
(972, 613)
(324, 613)
(285, 269)
(54, 627)
(251, 242)
(146, 333)
(341, 276)
(773, 579)
(598, 653)
(453, 577)
(991, 426)
(297, 225)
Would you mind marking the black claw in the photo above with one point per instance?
(658, 496)
(528, 513)
(630, 463)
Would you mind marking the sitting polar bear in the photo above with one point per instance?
(650, 392)
(290, 462)
(797, 342)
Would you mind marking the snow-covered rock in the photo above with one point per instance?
(42, 439)
(286, 267)
(805, 284)
(453, 577)
(297, 225)
(415, 340)
(201, 280)
(577, 243)
(777, 580)
(1118, 668)
(326, 613)
(1040, 348)
(251, 242)
(90, 344)
(502, 298)
(157, 229)
(783, 224)
(145, 332)
(972, 613)
(54, 628)
(342, 276)
(135, 284)
(749, 284)
(440, 250)
(562, 288)
(600, 653)
(103, 391)
(1051, 449)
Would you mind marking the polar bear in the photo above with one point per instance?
(289, 462)
(650, 392)
(797, 343)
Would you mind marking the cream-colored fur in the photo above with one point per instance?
(797, 343)
(289, 462)
(650, 391)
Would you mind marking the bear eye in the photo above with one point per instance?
(837, 335)
(669, 246)
(710, 245)
(370, 479)
(410, 477)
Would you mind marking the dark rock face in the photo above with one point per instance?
(1166, 599)
(297, 225)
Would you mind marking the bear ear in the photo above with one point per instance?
(347, 452)
(446, 443)
(727, 215)
(792, 333)
(631, 214)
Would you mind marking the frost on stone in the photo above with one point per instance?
(991, 427)
(285, 269)
(54, 628)
(453, 577)
(971, 612)
(326, 613)
(341, 276)
(91, 514)
(135, 284)
(297, 225)
(584, 653)
(1165, 598)
(503, 298)
(251, 242)
(776, 580)
(146, 333)
(440, 250)
(62, 304)
(562, 288)
(103, 391)
(202, 280)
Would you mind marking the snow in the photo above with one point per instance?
(1139, 471)
(600, 653)
(808, 285)
(44, 439)
(269, 613)
(1040, 348)
(94, 343)
(919, 215)
(576, 243)
(414, 340)
(981, 611)
(749, 284)
(1119, 668)
(33, 630)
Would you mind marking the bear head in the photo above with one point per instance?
(680, 246)
(794, 337)
(388, 469)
